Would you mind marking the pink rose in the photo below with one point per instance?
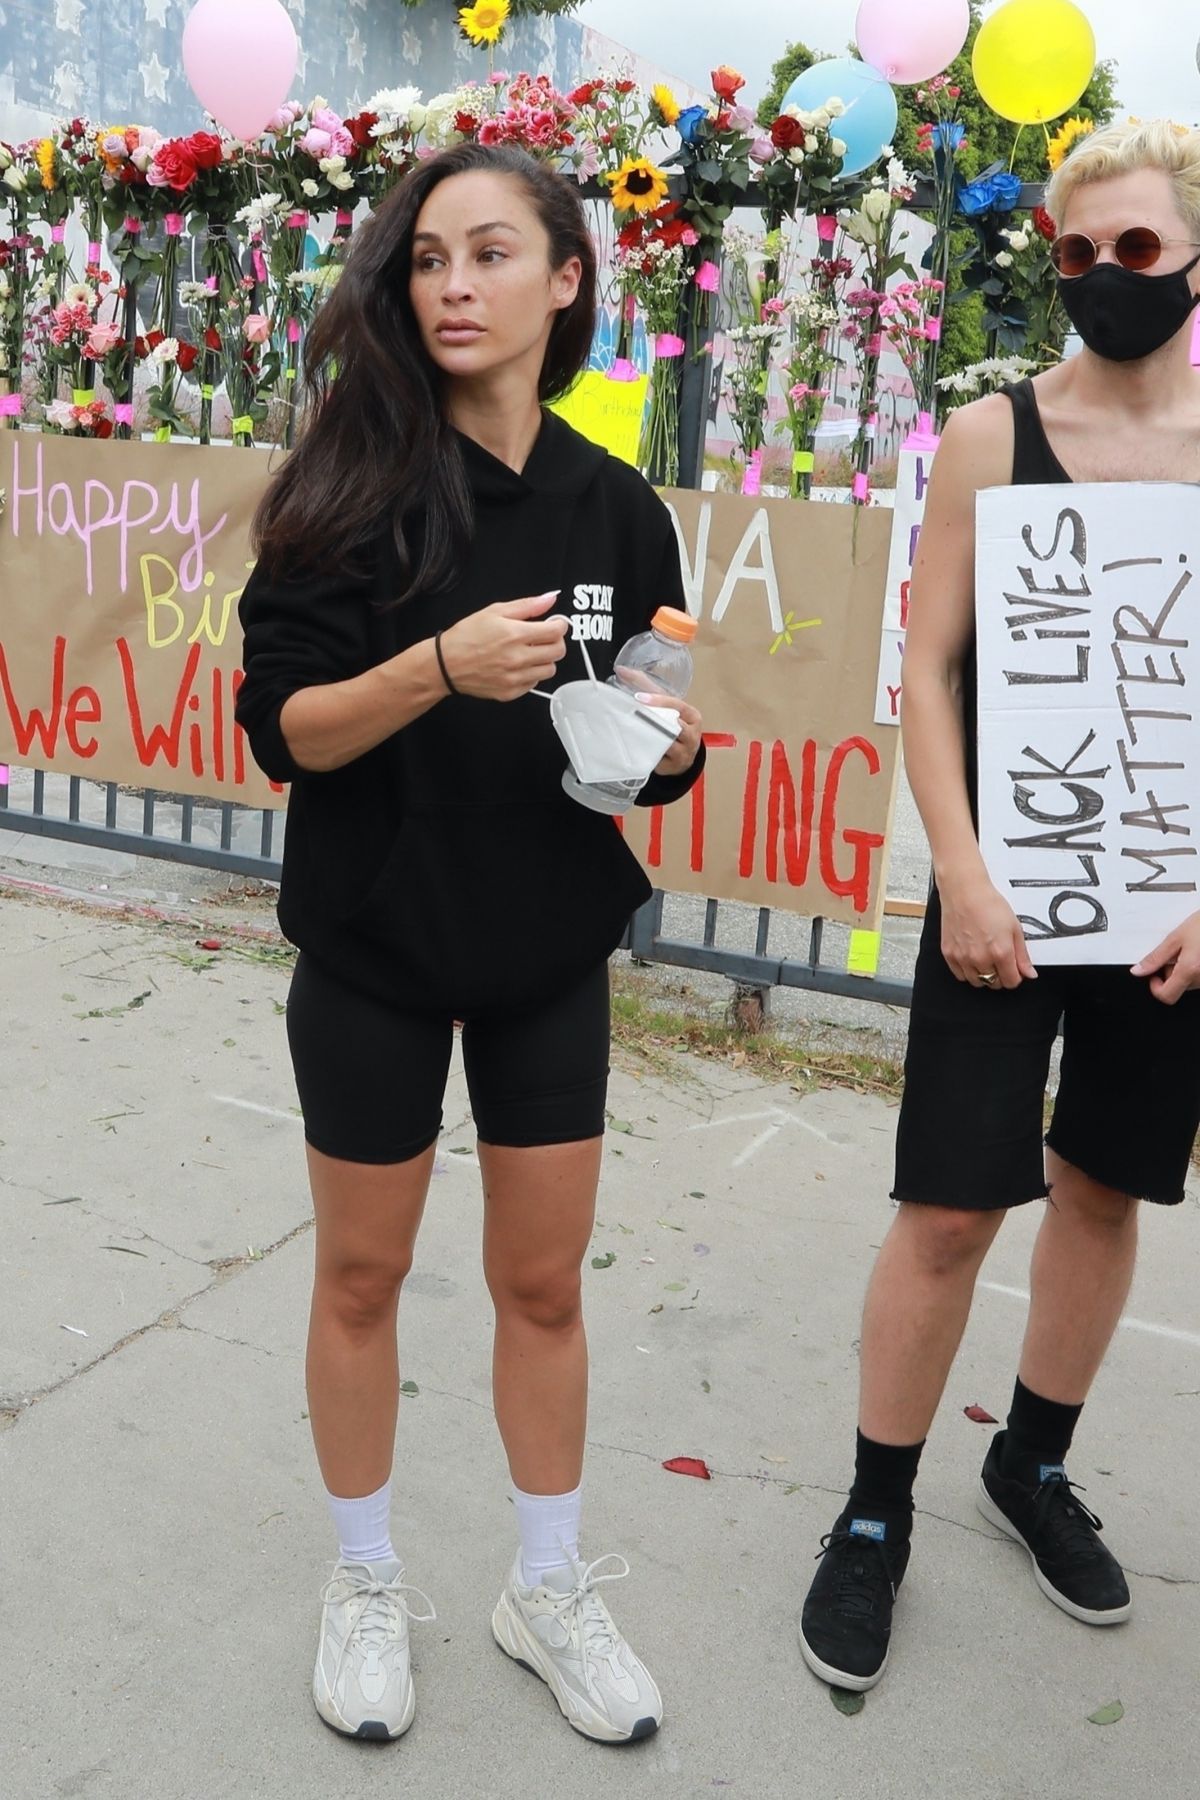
(256, 328)
(762, 150)
(101, 339)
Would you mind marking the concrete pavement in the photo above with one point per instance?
(163, 1529)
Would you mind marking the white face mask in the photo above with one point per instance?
(607, 735)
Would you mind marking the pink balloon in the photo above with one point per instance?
(910, 40)
(240, 58)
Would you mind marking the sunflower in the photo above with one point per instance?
(666, 103)
(637, 186)
(484, 22)
(1068, 134)
(45, 162)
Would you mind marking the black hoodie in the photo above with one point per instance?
(446, 869)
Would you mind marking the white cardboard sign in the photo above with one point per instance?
(1088, 618)
(912, 480)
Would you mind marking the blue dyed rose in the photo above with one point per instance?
(995, 192)
(948, 137)
(689, 122)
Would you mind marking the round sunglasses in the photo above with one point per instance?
(1137, 249)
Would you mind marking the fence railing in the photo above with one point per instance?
(239, 840)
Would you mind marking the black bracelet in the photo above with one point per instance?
(437, 646)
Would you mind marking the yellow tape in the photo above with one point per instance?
(83, 396)
(864, 952)
(803, 462)
(244, 424)
(163, 435)
(206, 392)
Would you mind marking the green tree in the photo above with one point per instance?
(990, 138)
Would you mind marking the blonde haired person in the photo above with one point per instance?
(1126, 203)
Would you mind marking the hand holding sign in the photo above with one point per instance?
(981, 937)
(1174, 967)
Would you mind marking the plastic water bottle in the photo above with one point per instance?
(658, 661)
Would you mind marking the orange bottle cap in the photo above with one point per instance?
(672, 623)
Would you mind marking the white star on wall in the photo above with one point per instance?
(156, 11)
(301, 66)
(296, 8)
(67, 86)
(356, 50)
(67, 15)
(411, 44)
(154, 78)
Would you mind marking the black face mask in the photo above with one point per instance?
(1121, 315)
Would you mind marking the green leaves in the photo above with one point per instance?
(606, 1261)
(1107, 1715)
(847, 1701)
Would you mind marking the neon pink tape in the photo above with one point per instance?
(293, 331)
(667, 344)
(298, 221)
(57, 233)
(173, 224)
(132, 224)
(123, 412)
(826, 227)
(344, 217)
(93, 253)
(623, 370)
(752, 475)
(933, 330)
(10, 406)
(862, 487)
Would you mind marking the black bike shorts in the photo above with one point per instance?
(371, 1078)
(971, 1121)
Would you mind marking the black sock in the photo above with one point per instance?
(883, 1479)
(1038, 1433)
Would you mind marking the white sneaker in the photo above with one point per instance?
(362, 1684)
(566, 1635)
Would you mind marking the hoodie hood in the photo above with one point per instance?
(561, 464)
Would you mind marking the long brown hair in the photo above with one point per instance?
(376, 444)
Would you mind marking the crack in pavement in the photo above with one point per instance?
(14, 1409)
(238, 1343)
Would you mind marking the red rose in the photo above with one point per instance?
(1044, 224)
(186, 357)
(722, 120)
(212, 338)
(360, 129)
(787, 133)
(175, 163)
(727, 82)
(154, 339)
(204, 148)
(103, 428)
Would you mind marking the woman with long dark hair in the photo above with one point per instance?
(422, 555)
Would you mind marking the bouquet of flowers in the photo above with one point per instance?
(652, 274)
(910, 315)
(813, 355)
(871, 226)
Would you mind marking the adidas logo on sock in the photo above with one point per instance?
(869, 1528)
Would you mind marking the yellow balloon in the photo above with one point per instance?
(1033, 59)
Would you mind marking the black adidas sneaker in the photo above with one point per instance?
(846, 1626)
(1070, 1564)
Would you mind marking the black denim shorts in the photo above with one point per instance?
(371, 1078)
(971, 1121)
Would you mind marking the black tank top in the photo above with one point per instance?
(1034, 464)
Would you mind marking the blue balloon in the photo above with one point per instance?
(871, 115)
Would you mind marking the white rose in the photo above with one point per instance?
(416, 118)
(835, 107)
(811, 142)
(838, 146)
(795, 156)
(341, 182)
(310, 188)
(1003, 259)
(332, 165)
(142, 157)
(14, 179)
(320, 104)
(5, 156)
(821, 119)
(1019, 240)
(877, 206)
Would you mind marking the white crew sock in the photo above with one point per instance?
(364, 1526)
(549, 1529)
